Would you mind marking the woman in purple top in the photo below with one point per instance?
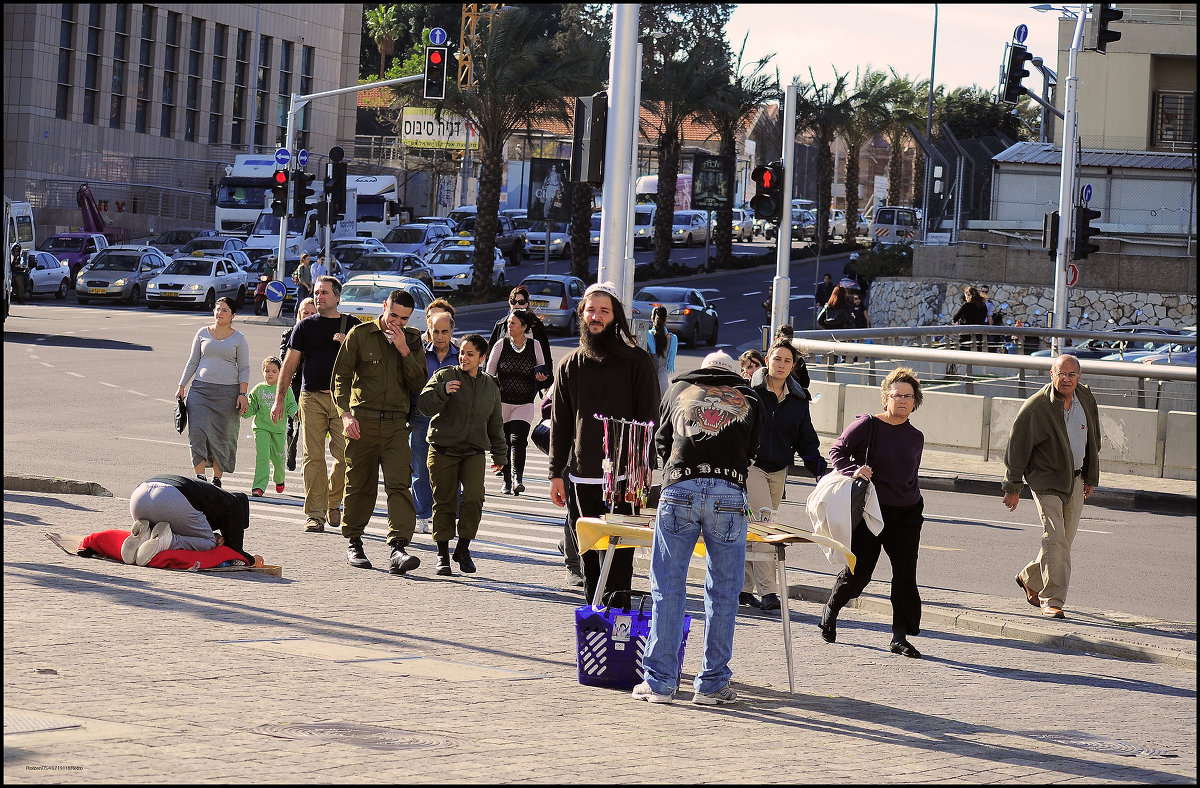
(895, 457)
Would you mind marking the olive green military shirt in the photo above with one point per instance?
(370, 373)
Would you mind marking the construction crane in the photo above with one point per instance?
(468, 38)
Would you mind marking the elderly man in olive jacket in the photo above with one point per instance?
(1054, 446)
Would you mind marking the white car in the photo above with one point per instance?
(560, 240)
(418, 239)
(363, 296)
(49, 274)
(358, 240)
(743, 225)
(198, 280)
(643, 226)
(454, 267)
(837, 223)
(689, 227)
(594, 232)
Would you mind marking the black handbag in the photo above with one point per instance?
(180, 415)
(541, 435)
(858, 488)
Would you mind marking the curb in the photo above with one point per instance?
(47, 484)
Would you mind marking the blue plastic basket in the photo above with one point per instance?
(611, 643)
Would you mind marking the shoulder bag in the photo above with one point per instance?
(858, 492)
(180, 415)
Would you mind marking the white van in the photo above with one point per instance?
(894, 225)
(643, 226)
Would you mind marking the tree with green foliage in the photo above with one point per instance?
(865, 121)
(746, 90)
(825, 110)
(907, 105)
(521, 76)
(382, 26)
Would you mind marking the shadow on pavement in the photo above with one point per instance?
(85, 343)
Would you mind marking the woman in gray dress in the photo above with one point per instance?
(220, 364)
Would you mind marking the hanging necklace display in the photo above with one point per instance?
(626, 465)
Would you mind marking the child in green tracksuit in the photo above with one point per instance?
(463, 404)
(268, 436)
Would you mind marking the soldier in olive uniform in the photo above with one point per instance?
(379, 369)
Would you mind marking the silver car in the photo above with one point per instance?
(48, 274)
(363, 297)
(418, 239)
(119, 273)
(198, 281)
(555, 299)
(689, 315)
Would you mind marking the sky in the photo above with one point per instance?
(970, 39)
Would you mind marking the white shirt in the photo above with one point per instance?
(319, 270)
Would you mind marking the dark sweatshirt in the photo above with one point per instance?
(623, 386)
(787, 425)
(710, 424)
(895, 457)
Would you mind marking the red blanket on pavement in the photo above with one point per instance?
(108, 544)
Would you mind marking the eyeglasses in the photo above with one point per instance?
(517, 303)
(902, 396)
(1067, 374)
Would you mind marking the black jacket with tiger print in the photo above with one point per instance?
(710, 423)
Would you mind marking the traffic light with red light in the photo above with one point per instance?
(435, 72)
(1084, 232)
(1102, 15)
(1016, 71)
(767, 202)
(279, 193)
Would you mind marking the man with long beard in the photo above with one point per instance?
(609, 375)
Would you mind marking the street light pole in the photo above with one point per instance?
(781, 287)
(928, 135)
(1066, 184)
(615, 260)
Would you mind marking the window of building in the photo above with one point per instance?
(91, 69)
(241, 70)
(216, 101)
(170, 74)
(195, 56)
(66, 60)
(306, 87)
(145, 88)
(285, 87)
(1174, 124)
(261, 88)
(116, 109)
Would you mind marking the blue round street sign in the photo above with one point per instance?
(1087, 192)
(276, 291)
(302, 158)
(282, 157)
(437, 36)
(1021, 33)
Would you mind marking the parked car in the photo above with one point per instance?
(454, 267)
(1184, 357)
(743, 225)
(837, 223)
(120, 273)
(560, 239)
(198, 280)
(594, 233)
(262, 270)
(555, 298)
(363, 296)
(223, 243)
(1139, 351)
(358, 240)
(170, 241)
(643, 226)
(415, 238)
(48, 274)
(1099, 348)
(689, 227)
(74, 249)
(689, 315)
(398, 263)
(442, 220)
(863, 228)
(510, 243)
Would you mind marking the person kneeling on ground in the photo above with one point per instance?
(177, 513)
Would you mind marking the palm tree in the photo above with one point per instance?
(680, 90)
(825, 111)
(906, 106)
(866, 120)
(383, 27)
(747, 89)
(521, 77)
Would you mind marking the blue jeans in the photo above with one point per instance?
(717, 509)
(418, 441)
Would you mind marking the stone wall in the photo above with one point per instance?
(916, 302)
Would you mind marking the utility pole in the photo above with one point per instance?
(616, 262)
(781, 287)
(1066, 184)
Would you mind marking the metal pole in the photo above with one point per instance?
(466, 164)
(928, 136)
(782, 285)
(618, 149)
(1066, 185)
(630, 248)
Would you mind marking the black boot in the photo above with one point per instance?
(443, 567)
(401, 561)
(355, 555)
(828, 625)
(462, 554)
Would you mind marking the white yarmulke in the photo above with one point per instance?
(721, 360)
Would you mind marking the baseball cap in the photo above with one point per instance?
(721, 360)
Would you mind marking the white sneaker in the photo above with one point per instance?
(129, 548)
(643, 692)
(160, 539)
(425, 525)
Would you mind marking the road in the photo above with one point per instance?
(89, 393)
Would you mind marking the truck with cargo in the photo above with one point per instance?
(243, 193)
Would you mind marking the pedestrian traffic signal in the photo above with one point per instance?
(279, 193)
(1084, 232)
(1050, 233)
(767, 202)
(1102, 15)
(301, 191)
(435, 72)
(1016, 71)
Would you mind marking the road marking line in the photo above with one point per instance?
(753, 292)
(110, 385)
(151, 440)
(140, 394)
(74, 374)
(44, 364)
(732, 322)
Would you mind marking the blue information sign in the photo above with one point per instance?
(302, 158)
(1021, 33)
(1087, 192)
(282, 157)
(437, 36)
(276, 291)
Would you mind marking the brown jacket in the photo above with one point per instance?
(1038, 449)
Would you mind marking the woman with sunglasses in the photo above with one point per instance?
(885, 449)
(518, 298)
